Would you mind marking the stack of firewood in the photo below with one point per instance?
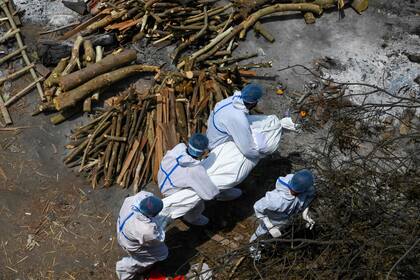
(200, 29)
(76, 80)
(125, 143)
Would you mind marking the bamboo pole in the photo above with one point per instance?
(8, 35)
(16, 74)
(23, 51)
(4, 111)
(12, 54)
(24, 91)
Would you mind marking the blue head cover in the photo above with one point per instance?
(151, 206)
(302, 181)
(251, 93)
(197, 144)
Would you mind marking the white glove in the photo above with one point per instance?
(273, 230)
(309, 221)
(287, 123)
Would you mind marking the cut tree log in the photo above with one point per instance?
(259, 28)
(89, 51)
(54, 78)
(63, 116)
(70, 98)
(75, 59)
(105, 65)
(303, 7)
(360, 5)
(309, 18)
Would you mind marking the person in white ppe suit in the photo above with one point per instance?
(228, 122)
(140, 235)
(292, 194)
(181, 169)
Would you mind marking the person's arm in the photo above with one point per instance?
(238, 127)
(261, 207)
(200, 182)
(266, 204)
(151, 234)
(309, 197)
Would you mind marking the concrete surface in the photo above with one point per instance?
(54, 226)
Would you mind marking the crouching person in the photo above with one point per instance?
(140, 235)
(184, 182)
(292, 195)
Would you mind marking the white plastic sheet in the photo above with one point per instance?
(180, 203)
(228, 167)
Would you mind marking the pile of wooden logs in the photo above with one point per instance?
(76, 80)
(199, 29)
(14, 33)
(125, 143)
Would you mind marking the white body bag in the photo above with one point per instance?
(227, 167)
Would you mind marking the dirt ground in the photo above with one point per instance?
(54, 226)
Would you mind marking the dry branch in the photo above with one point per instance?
(252, 19)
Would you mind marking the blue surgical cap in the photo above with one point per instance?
(197, 144)
(251, 93)
(302, 181)
(151, 206)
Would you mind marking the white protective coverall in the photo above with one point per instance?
(140, 236)
(279, 205)
(227, 167)
(181, 178)
(228, 122)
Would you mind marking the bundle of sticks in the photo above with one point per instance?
(125, 143)
(77, 80)
(13, 32)
(199, 29)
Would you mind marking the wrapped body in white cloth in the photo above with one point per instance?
(227, 167)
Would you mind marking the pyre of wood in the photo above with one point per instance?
(126, 143)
